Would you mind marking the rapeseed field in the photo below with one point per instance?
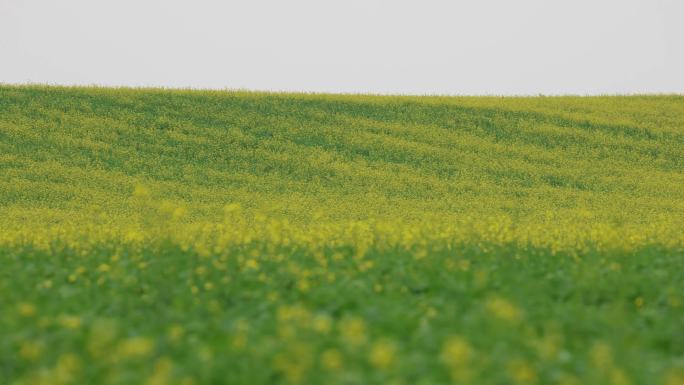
(178, 237)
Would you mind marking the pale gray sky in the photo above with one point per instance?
(376, 46)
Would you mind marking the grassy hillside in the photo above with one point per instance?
(201, 237)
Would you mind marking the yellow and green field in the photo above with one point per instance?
(156, 237)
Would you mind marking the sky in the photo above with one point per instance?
(467, 47)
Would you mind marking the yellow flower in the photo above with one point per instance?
(141, 191)
(614, 266)
(504, 310)
(303, 285)
(30, 350)
(176, 332)
(322, 324)
(239, 340)
(101, 336)
(294, 362)
(69, 321)
(252, 264)
(639, 302)
(134, 236)
(67, 368)
(674, 302)
(382, 354)
(331, 359)
(456, 356)
(675, 377)
(161, 374)
(618, 377)
(296, 314)
(232, 208)
(103, 268)
(420, 254)
(353, 331)
(366, 265)
(135, 347)
(548, 346)
(26, 309)
(522, 372)
(178, 213)
(602, 356)
(456, 351)
(241, 328)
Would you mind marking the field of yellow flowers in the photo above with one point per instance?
(186, 237)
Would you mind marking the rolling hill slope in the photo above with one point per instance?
(353, 157)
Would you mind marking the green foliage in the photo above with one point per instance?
(204, 237)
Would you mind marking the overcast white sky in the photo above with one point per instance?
(377, 46)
